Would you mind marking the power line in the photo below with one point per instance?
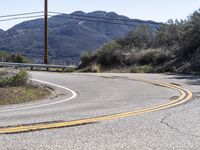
(28, 17)
(77, 18)
(22, 14)
(100, 21)
(104, 18)
(17, 18)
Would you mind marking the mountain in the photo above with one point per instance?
(69, 34)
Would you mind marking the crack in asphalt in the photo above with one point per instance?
(163, 121)
(167, 124)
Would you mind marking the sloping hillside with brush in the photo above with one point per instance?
(173, 47)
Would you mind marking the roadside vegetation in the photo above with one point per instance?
(15, 88)
(16, 58)
(173, 47)
(13, 79)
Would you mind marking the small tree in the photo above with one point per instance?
(86, 57)
(109, 54)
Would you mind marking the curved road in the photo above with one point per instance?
(89, 95)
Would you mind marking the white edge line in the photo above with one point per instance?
(74, 95)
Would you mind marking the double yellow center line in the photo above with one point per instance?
(185, 95)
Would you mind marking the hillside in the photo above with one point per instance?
(67, 37)
(174, 47)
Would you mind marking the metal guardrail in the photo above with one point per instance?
(23, 65)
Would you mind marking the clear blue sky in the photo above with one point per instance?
(157, 10)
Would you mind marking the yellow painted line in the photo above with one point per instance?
(185, 95)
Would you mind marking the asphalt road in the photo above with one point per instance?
(92, 95)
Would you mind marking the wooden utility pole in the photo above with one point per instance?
(45, 31)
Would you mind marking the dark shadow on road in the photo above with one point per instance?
(190, 79)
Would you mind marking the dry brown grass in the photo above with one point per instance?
(22, 94)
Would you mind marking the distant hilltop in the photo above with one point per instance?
(69, 34)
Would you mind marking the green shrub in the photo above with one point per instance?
(109, 54)
(148, 57)
(6, 81)
(20, 78)
(16, 58)
(141, 69)
(133, 69)
(145, 57)
(141, 37)
(87, 58)
(20, 59)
